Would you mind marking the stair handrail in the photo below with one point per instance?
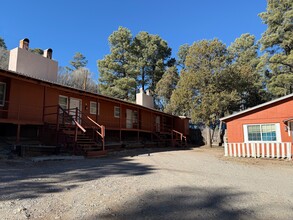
(79, 126)
(102, 127)
(96, 125)
(65, 112)
(181, 134)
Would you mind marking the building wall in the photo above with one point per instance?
(274, 113)
(181, 125)
(32, 101)
(106, 116)
(25, 101)
(147, 121)
(26, 62)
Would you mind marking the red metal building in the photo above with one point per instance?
(261, 131)
(33, 106)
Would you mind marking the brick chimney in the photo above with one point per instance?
(24, 43)
(23, 61)
(48, 53)
(144, 99)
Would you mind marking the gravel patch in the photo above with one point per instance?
(198, 183)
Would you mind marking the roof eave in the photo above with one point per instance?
(258, 106)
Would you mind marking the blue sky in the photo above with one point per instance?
(69, 26)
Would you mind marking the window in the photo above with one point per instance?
(116, 112)
(63, 102)
(2, 93)
(262, 132)
(93, 108)
(135, 117)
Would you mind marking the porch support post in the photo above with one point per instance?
(18, 134)
(137, 135)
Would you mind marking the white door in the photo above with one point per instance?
(75, 103)
(158, 124)
(290, 129)
(129, 123)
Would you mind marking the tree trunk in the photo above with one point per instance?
(142, 79)
(209, 140)
(84, 82)
(219, 138)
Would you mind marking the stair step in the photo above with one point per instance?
(96, 154)
(88, 145)
(71, 132)
(86, 149)
(85, 140)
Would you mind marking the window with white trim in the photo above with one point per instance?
(262, 132)
(93, 108)
(63, 101)
(2, 93)
(116, 112)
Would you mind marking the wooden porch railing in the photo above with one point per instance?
(262, 149)
(74, 116)
(182, 138)
(102, 133)
(88, 122)
(65, 119)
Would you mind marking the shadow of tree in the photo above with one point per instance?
(182, 203)
(31, 180)
(142, 151)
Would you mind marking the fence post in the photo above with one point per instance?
(243, 150)
(278, 150)
(248, 151)
(257, 150)
(226, 149)
(289, 151)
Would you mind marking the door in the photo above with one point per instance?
(73, 104)
(129, 118)
(158, 124)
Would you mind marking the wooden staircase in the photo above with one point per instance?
(178, 139)
(172, 138)
(78, 133)
(87, 145)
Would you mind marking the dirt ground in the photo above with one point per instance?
(198, 183)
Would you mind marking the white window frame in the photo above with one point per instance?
(278, 133)
(116, 111)
(66, 101)
(93, 109)
(2, 102)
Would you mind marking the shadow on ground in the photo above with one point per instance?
(30, 180)
(182, 203)
(146, 151)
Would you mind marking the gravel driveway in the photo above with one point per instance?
(176, 184)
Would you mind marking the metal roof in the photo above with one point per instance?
(82, 91)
